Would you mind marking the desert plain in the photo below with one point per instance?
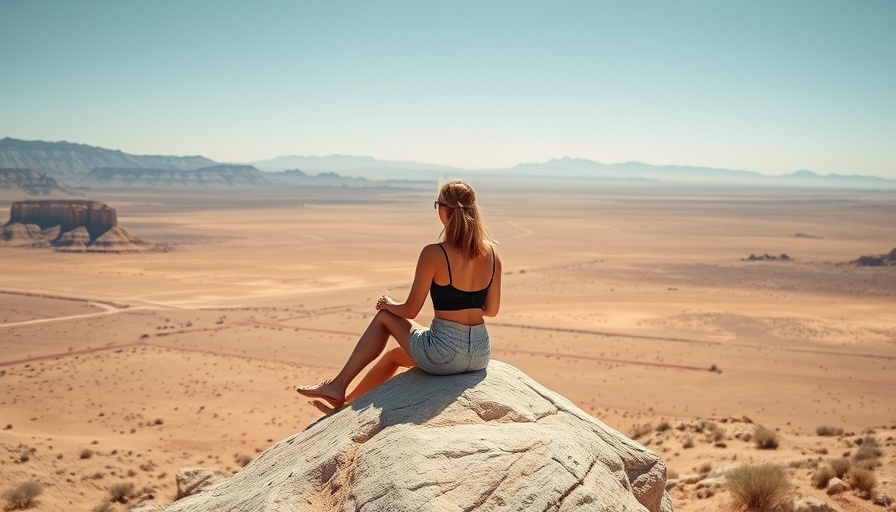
(633, 300)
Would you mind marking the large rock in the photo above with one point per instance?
(488, 440)
(68, 225)
(95, 217)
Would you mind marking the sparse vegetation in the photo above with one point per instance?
(663, 426)
(122, 492)
(243, 459)
(705, 468)
(765, 439)
(23, 495)
(827, 430)
(688, 443)
(762, 488)
(841, 466)
(868, 454)
(86, 453)
(639, 431)
(861, 479)
(822, 476)
(103, 507)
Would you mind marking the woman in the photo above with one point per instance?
(463, 277)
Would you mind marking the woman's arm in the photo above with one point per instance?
(426, 269)
(493, 299)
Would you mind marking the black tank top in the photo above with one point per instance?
(448, 298)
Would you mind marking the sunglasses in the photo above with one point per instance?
(436, 204)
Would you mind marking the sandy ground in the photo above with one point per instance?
(128, 367)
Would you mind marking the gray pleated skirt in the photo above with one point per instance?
(446, 347)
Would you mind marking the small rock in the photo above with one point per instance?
(711, 483)
(881, 499)
(811, 505)
(836, 486)
(690, 479)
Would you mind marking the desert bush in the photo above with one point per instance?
(762, 488)
(841, 466)
(688, 443)
(868, 454)
(827, 430)
(822, 476)
(717, 435)
(639, 431)
(86, 453)
(243, 459)
(765, 439)
(861, 479)
(103, 507)
(122, 492)
(663, 426)
(704, 468)
(23, 495)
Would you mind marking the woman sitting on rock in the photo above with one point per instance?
(463, 277)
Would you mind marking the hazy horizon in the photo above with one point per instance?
(766, 87)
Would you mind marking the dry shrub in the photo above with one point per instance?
(663, 426)
(103, 507)
(861, 479)
(762, 488)
(827, 430)
(841, 466)
(688, 443)
(869, 453)
(23, 495)
(243, 459)
(122, 492)
(86, 453)
(822, 476)
(765, 439)
(639, 431)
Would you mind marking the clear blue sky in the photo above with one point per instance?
(771, 86)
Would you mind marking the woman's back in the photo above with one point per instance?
(461, 285)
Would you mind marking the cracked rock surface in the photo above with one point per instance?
(488, 440)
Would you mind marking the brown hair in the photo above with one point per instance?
(465, 230)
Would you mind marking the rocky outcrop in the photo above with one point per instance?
(30, 182)
(488, 440)
(767, 257)
(881, 260)
(68, 225)
(95, 217)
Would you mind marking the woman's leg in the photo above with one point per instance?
(369, 347)
(383, 370)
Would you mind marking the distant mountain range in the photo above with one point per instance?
(80, 164)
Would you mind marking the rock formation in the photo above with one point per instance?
(880, 260)
(488, 440)
(68, 225)
(767, 257)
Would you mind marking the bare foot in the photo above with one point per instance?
(324, 408)
(325, 391)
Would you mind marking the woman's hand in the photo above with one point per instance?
(384, 301)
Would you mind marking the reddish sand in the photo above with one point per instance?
(621, 299)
